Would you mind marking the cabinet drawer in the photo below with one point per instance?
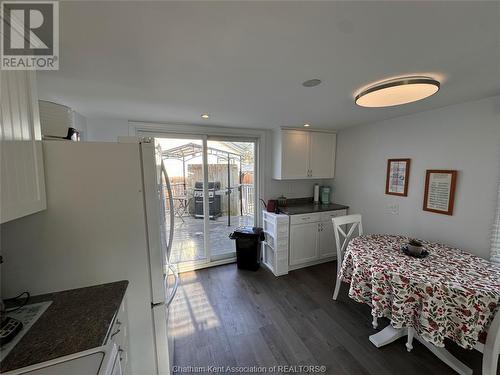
(119, 336)
(119, 330)
(304, 218)
(327, 216)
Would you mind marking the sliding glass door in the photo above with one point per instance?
(231, 171)
(213, 186)
(183, 158)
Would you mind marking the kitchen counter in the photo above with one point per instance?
(77, 320)
(307, 206)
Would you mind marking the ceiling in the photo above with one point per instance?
(244, 62)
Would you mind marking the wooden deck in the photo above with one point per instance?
(188, 237)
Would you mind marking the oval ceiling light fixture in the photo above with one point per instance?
(311, 82)
(397, 91)
(205, 116)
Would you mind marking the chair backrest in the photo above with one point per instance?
(350, 223)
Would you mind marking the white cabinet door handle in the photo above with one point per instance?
(114, 333)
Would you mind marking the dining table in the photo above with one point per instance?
(448, 294)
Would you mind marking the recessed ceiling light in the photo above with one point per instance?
(307, 125)
(311, 83)
(397, 91)
(205, 116)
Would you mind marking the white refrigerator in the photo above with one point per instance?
(160, 235)
(108, 218)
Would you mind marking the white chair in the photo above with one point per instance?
(338, 222)
(491, 347)
(488, 344)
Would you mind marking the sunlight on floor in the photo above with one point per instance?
(193, 311)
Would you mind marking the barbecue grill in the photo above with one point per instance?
(214, 200)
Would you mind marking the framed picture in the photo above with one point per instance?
(439, 194)
(398, 174)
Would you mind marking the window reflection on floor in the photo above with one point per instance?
(192, 308)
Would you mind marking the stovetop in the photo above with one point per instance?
(28, 315)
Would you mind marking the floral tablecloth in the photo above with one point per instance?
(450, 293)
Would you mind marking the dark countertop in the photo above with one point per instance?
(77, 320)
(307, 206)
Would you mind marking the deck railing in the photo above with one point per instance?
(247, 198)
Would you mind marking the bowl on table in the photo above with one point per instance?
(415, 247)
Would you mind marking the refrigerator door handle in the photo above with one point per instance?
(176, 285)
(170, 298)
(172, 213)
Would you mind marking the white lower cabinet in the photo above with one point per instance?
(312, 239)
(119, 336)
(327, 247)
(275, 247)
(303, 243)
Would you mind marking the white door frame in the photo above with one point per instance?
(161, 130)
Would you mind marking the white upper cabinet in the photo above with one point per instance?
(295, 146)
(22, 190)
(302, 154)
(322, 154)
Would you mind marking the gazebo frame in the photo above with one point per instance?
(191, 151)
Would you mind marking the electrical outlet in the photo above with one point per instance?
(392, 208)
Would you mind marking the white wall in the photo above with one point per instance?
(80, 123)
(107, 130)
(465, 137)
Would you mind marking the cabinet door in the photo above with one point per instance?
(303, 243)
(117, 368)
(22, 175)
(295, 154)
(327, 247)
(322, 154)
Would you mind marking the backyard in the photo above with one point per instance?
(231, 195)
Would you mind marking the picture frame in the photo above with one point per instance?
(398, 175)
(440, 186)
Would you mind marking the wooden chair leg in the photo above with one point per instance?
(337, 288)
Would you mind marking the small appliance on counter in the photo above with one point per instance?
(325, 194)
(72, 135)
(272, 206)
(316, 194)
(16, 322)
(282, 202)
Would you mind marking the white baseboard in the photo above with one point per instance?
(313, 263)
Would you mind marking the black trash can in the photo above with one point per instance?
(248, 243)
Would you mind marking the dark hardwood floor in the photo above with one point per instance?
(223, 316)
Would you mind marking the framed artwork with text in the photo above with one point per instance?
(439, 195)
(398, 174)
